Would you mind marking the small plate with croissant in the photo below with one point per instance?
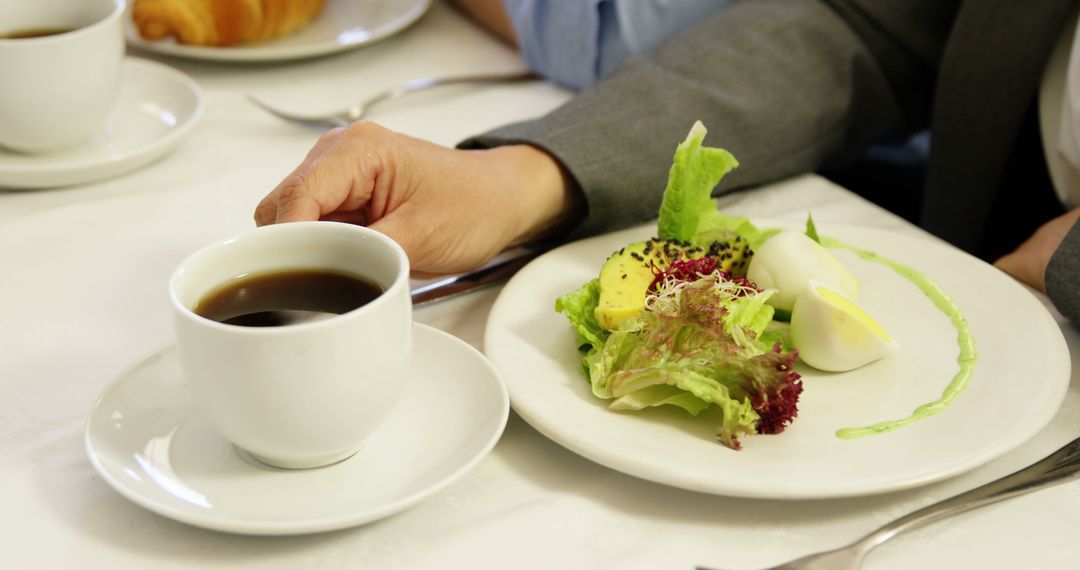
(264, 30)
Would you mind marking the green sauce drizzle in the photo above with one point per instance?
(964, 339)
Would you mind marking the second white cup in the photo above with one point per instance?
(60, 64)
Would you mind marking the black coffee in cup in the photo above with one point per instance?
(286, 298)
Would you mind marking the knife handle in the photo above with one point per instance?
(487, 275)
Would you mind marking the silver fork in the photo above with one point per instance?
(1058, 467)
(357, 111)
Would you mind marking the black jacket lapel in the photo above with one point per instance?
(989, 75)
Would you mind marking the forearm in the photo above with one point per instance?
(784, 85)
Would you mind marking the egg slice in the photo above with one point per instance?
(788, 260)
(834, 334)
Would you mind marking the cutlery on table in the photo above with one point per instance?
(1058, 467)
(357, 111)
(496, 271)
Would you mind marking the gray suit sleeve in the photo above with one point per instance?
(785, 85)
(1063, 275)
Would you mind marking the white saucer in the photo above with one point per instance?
(342, 25)
(146, 441)
(157, 105)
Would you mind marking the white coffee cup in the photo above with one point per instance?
(58, 89)
(301, 395)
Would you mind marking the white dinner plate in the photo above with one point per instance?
(342, 25)
(1020, 380)
(156, 107)
(148, 443)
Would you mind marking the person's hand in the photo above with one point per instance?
(1028, 263)
(451, 210)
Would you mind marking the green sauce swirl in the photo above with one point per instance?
(964, 339)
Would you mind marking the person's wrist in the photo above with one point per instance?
(549, 201)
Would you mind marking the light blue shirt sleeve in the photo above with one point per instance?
(576, 42)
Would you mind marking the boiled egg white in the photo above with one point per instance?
(834, 334)
(788, 260)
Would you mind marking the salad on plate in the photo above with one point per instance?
(714, 311)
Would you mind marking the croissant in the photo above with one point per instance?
(221, 22)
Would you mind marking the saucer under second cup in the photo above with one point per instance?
(156, 107)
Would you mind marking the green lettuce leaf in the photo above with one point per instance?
(748, 316)
(579, 307)
(811, 229)
(715, 226)
(659, 395)
(704, 338)
(695, 172)
(688, 211)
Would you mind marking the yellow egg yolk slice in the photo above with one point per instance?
(856, 312)
(834, 334)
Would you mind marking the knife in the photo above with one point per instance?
(498, 270)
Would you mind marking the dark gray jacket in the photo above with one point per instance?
(792, 86)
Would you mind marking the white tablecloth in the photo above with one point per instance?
(83, 272)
